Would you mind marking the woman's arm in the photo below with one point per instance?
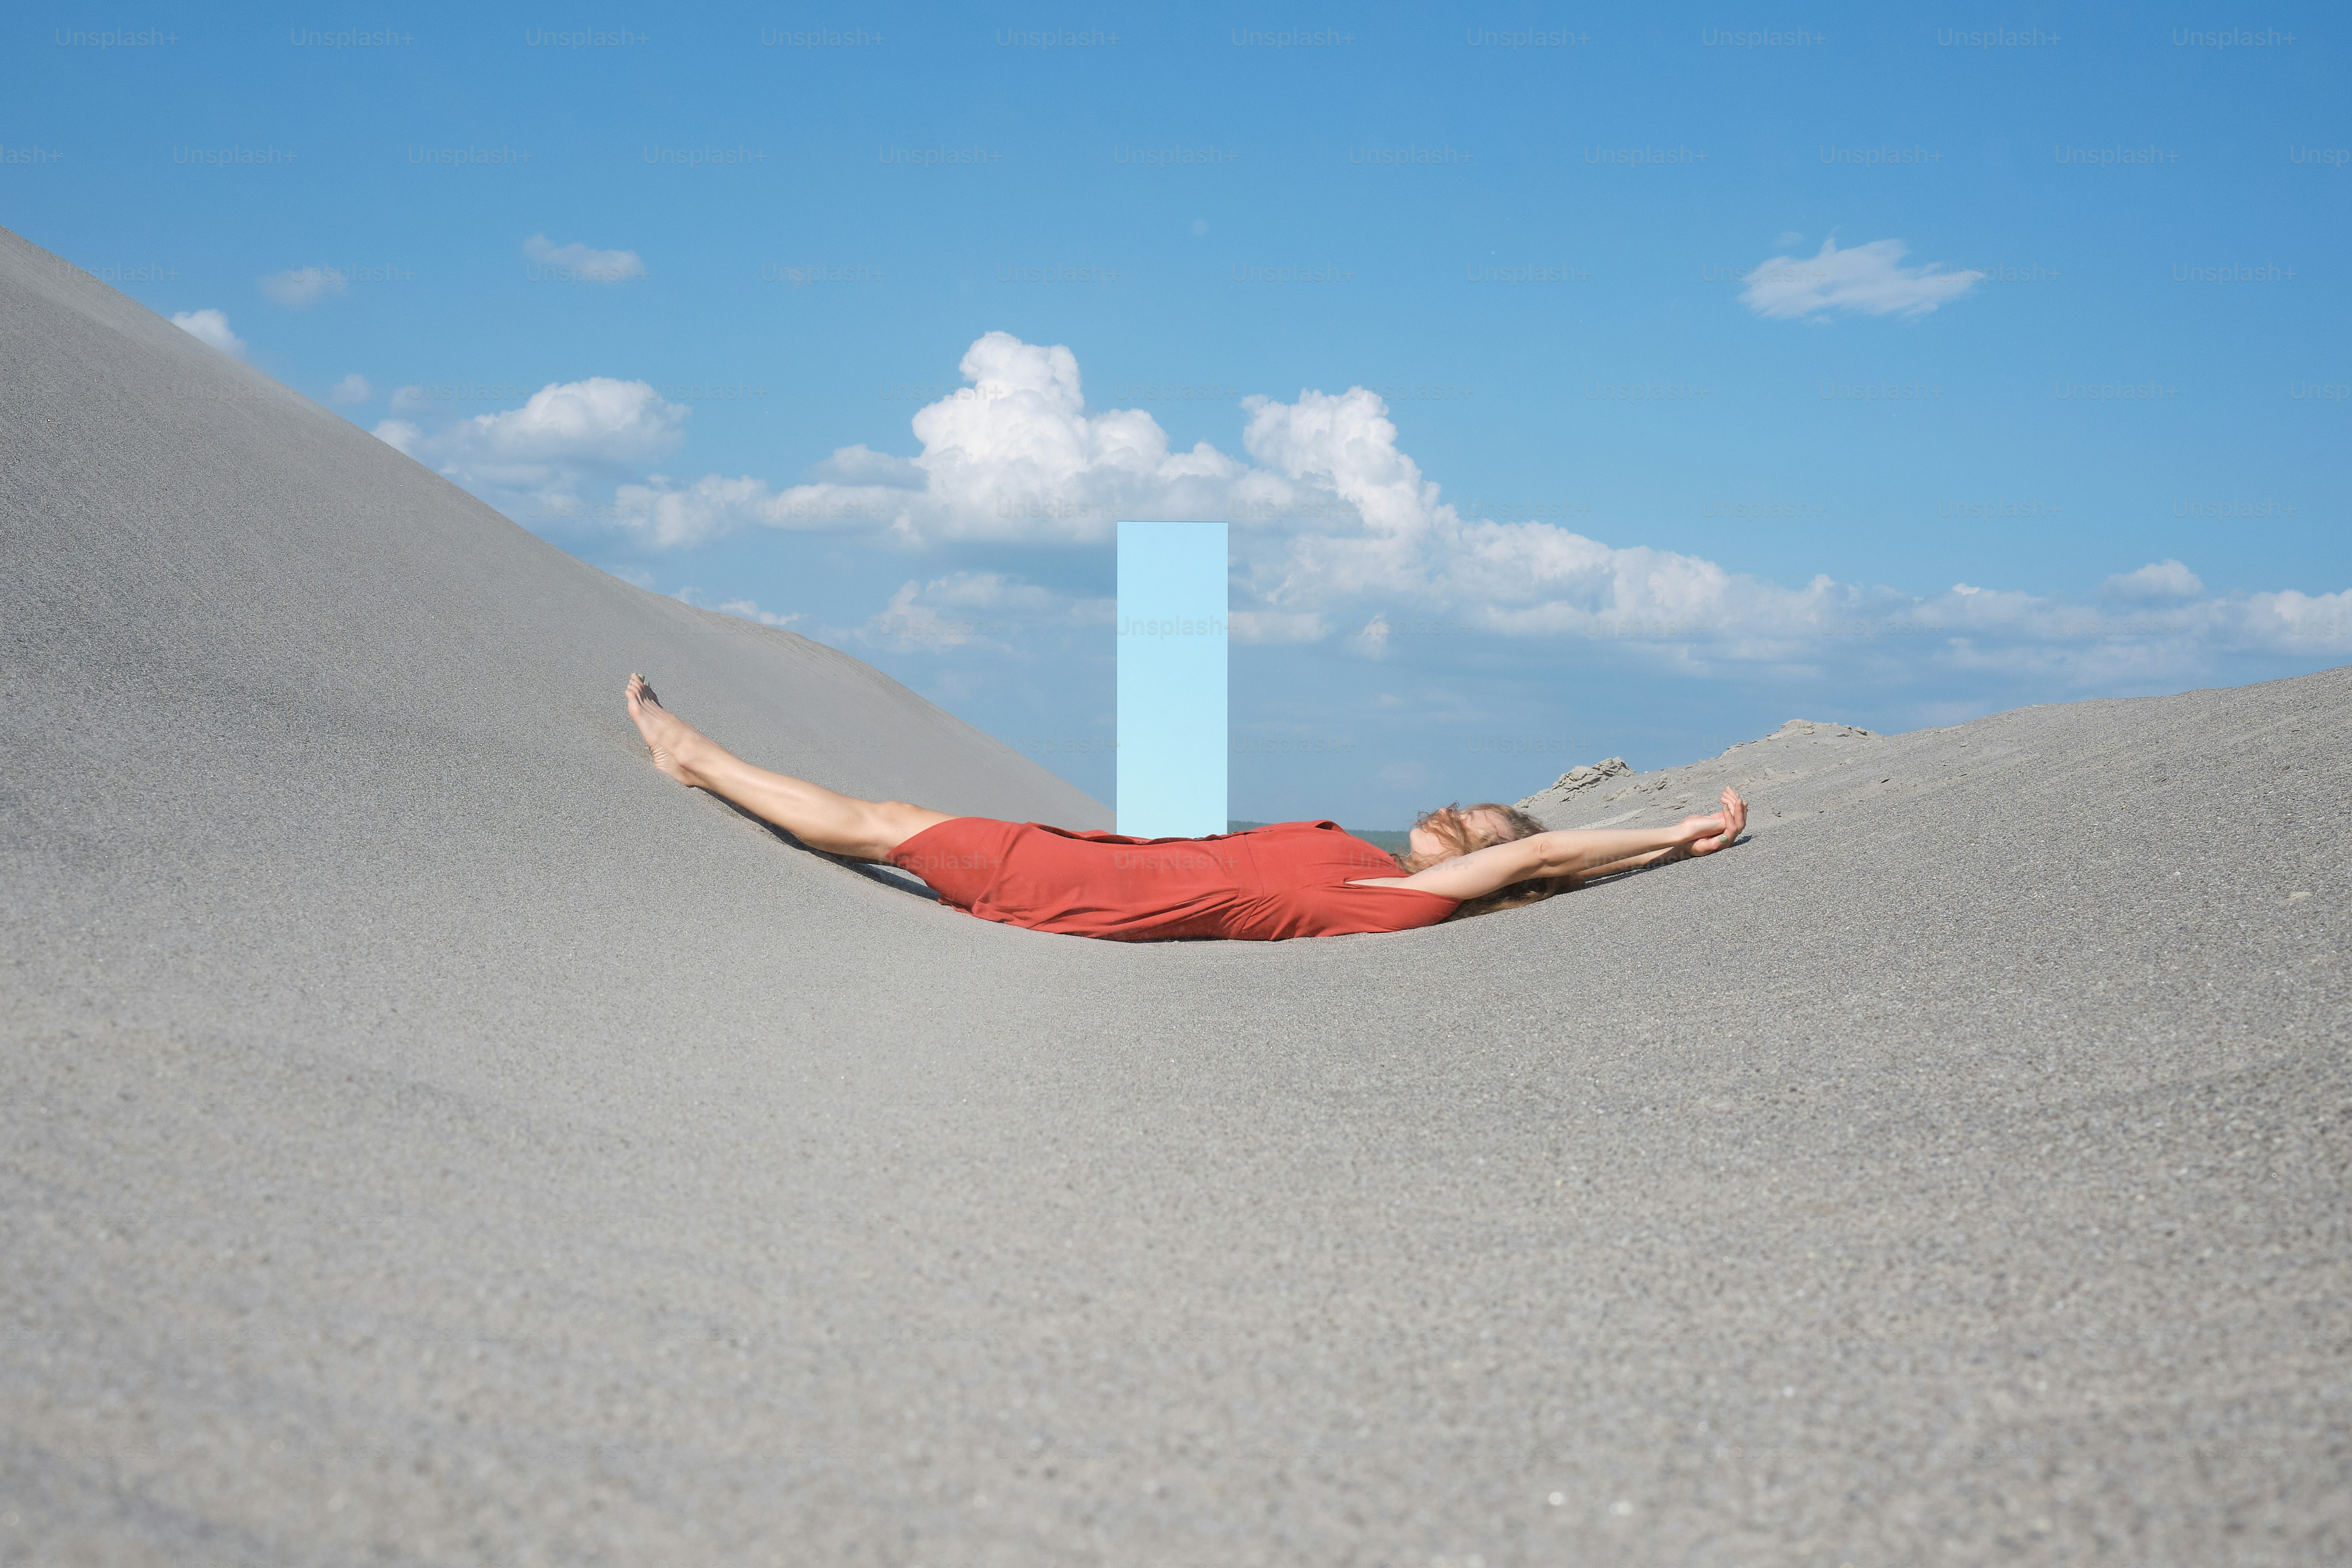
(1475, 874)
(1571, 852)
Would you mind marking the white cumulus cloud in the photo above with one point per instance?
(353, 388)
(399, 434)
(1335, 531)
(576, 263)
(302, 285)
(210, 327)
(544, 451)
(1869, 278)
(1012, 456)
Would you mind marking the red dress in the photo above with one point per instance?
(1285, 879)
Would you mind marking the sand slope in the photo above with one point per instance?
(427, 1135)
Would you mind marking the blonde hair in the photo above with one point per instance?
(1464, 830)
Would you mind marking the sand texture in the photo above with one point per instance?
(429, 1135)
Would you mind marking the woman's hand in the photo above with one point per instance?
(1717, 829)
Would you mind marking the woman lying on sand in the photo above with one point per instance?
(1290, 878)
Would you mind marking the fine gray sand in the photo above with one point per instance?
(429, 1135)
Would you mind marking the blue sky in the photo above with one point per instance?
(1577, 383)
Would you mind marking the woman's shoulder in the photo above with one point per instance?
(1323, 841)
(1324, 831)
(1341, 878)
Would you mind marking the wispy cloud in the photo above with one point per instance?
(302, 287)
(1869, 280)
(745, 609)
(353, 388)
(964, 609)
(2158, 581)
(1277, 626)
(577, 263)
(210, 327)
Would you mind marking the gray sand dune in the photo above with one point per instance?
(1798, 759)
(1805, 768)
(427, 1135)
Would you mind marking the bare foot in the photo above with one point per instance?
(670, 738)
(1726, 823)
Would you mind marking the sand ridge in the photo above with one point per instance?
(428, 1135)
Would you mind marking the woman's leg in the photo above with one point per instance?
(837, 823)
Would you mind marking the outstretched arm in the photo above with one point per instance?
(1579, 854)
